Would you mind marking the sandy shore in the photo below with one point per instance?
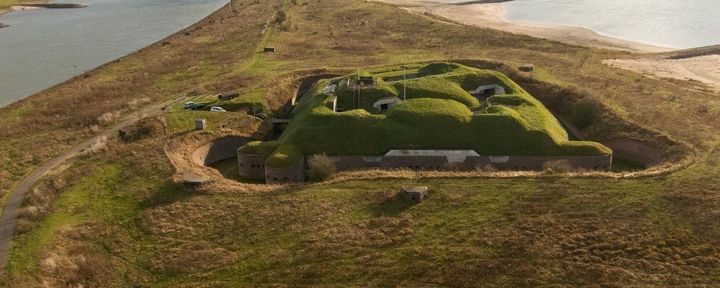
(22, 8)
(492, 15)
(704, 69)
(658, 62)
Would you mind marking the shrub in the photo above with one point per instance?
(321, 167)
(144, 128)
(108, 117)
(584, 112)
(485, 168)
(558, 166)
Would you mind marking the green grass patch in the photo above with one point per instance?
(70, 209)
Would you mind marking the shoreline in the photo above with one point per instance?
(491, 14)
(9, 8)
(36, 5)
(110, 62)
(700, 64)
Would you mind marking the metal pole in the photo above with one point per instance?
(404, 84)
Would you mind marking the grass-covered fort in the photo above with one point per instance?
(422, 116)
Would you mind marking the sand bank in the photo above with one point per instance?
(705, 69)
(492, 15)
(23, 7)
(34, 5)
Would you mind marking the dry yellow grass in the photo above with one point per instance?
(544, 230)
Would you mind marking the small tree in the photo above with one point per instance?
(321, 167)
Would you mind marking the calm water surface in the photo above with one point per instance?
(42, 48)
(666, 23)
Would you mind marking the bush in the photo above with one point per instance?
(558, 166)
(584, 112)
(144, 128)
(321, 167)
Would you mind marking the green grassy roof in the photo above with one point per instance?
(437, 115)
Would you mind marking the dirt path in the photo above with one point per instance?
(18, 192)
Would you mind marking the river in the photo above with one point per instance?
(42, 48)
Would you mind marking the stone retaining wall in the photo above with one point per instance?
(253, 166)
(286, 175)
(516, 162)
(636, 151)
(219, 149)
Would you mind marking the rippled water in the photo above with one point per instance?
(42, 48)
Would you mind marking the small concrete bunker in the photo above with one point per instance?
(200, 124)
(386, 103)
(486, 91)
(414, 193)
(527, 68)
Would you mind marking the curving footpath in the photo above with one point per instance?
(18, 192)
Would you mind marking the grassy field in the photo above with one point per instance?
(125, 223)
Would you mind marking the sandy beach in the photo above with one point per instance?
(22, 8)
(655, 61)
(14, 5)
(492, 15)
(704, 69)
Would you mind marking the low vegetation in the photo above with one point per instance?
(126, 224)
(320, 168)
(6, 4)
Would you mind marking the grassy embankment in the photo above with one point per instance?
(140, 229)
(5, 5)
(515, 123)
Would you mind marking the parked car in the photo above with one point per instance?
(193, 105)
(217, 109)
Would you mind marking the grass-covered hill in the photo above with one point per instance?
(439, 113)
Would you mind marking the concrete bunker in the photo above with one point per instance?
(414, 193)
(386, 103)
(485, 91)
(448, 160)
